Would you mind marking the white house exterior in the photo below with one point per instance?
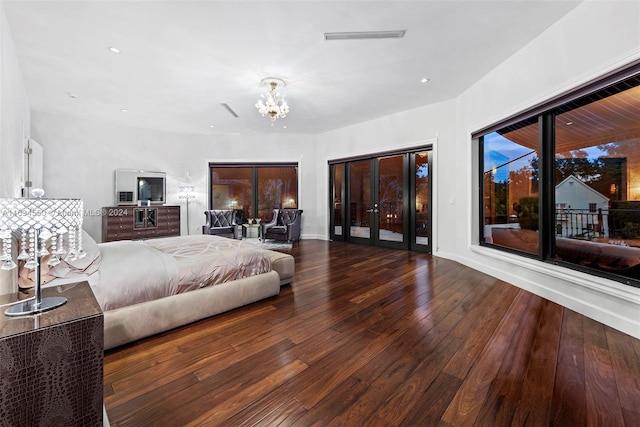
(581, 211)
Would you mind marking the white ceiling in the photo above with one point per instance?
(180, 60)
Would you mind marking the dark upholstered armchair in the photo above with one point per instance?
(285, 225)
(221, 223)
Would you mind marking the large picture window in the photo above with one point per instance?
(563, 185)
(243, 187)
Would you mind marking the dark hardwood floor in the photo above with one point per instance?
(376, 337)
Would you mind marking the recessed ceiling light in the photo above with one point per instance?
(424, 80)
(363, 35)
(211, 126)
(113, 49)
(569, 123)
(124, 110)
(284, 126)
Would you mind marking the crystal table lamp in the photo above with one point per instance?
(36, 221)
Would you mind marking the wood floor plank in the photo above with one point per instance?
(477, 327)
(399, 404)
(466, 404)
(133, 412)
(158, 375)
(379, 337)
(269, 411)
(357, 354)
(534, 404)
(431, 405)
(506, 387)
(230, 384)
(234, 404)
(325, 412)
(387, 372)
(603, 402)
(626, 368)
(569, 401)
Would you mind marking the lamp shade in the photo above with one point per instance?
(44, 214)
(38, 220)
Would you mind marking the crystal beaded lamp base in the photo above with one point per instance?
(31, 307)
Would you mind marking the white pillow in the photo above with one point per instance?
(82, 266)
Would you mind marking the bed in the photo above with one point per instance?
(147, 287)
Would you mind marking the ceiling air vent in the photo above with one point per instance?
(229, 109)
(364, 35)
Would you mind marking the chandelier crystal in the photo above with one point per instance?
(272, 103)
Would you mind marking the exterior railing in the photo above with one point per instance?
(609, 223)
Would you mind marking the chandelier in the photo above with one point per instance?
(272, 103)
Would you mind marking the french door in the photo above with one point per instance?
(383, 201)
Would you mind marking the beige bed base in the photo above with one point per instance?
(131, 323)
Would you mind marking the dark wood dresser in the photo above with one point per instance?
(139, 222)
(51, 363)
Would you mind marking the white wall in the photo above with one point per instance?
(82, 155)
(14, 114)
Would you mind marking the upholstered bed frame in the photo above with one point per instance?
(127, 324)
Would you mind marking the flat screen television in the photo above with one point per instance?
(137, 187)
(151, 189)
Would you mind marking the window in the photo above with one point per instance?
(596, 150)
(243, 187)
(510, 180)
(563, 185)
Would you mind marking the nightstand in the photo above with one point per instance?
(51, 363)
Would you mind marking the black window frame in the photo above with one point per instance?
(255, 166)
(545, 114)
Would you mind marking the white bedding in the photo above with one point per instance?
(131, 272)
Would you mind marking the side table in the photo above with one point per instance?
(252, 231)
(51, 364)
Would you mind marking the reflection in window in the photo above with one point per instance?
(277, 189)
(597, 183)
(421, 185)
(231, 188)
(511, 170)
(390, 187)
(360, 198)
